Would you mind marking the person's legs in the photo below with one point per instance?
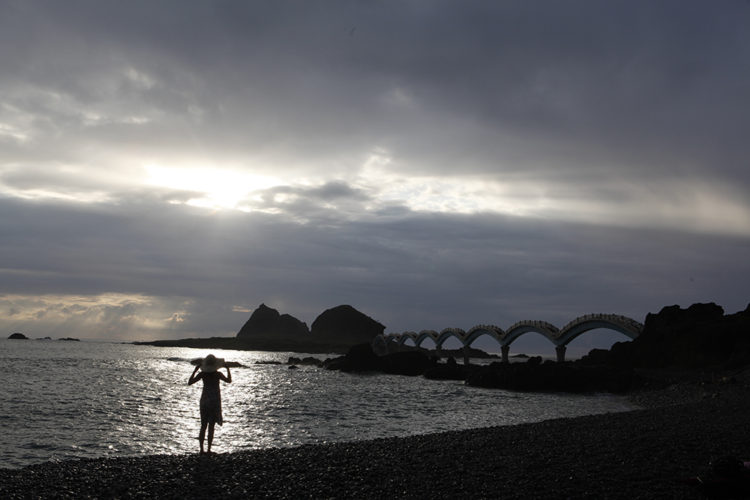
(202, 435)
(210, 435)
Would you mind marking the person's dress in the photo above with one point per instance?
(211, 399)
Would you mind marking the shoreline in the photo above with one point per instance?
(322, 346)
(643, 453)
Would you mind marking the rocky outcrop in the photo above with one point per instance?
(18, 336)
(701, 336)
(336, 330)
(405, 363)
(450, 370)
(308, 361)
(266, 321)
(552, 377)
(361, 358)
(346, 322)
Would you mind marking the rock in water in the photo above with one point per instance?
(268, 321)
(344, 323)
(18, 336)
(701, 336)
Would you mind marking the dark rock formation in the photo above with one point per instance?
(346, 322)
(266, 321)
(450, 370)
(552, 377)
(361, 358)
(529, 376)
(309, 361)
(386, 345)
(700, 336)
(337, 330)
(405, 363)
(18, 336)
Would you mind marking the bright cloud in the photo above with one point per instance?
(213, 187)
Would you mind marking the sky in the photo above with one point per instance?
(168, 166)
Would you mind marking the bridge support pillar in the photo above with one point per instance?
(506, 353)
(560, 353)
(466, 355)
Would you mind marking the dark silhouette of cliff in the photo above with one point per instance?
(336, 330)
(266, 321)
(701, 336)
(345, 322)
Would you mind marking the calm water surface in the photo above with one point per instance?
(62, 400)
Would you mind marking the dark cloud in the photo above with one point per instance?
(490, 87)
(434, 164)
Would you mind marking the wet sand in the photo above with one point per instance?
(637, 454)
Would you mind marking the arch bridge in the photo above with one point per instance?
(560, 337)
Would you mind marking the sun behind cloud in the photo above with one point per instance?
(214, 188)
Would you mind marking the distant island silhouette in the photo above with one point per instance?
(335, 330)
(21, 336)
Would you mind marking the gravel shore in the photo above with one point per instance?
(637, 454)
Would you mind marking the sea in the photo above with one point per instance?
(63, 400)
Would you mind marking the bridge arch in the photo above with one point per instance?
(401, 338)
(628, 327)
(424, 335)
(477, 331)
(543, 328)
(560, 338)
(448, 333)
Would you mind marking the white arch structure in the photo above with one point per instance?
(560, 337)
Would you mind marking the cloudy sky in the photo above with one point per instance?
(167, 166)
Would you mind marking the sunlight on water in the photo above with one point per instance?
(63, 400)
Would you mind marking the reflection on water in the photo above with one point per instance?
(65, 400)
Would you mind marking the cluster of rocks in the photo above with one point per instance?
(553, 377)
(268, 321)
(362, 358)
(532, 375)
(335, 330)
(21, 336)
(701, 336)
(340, 322)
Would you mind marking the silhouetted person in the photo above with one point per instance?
(211, 395)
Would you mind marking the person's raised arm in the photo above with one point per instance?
(193, 377)
(228, 377)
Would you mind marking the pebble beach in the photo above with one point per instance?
(645, 453)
